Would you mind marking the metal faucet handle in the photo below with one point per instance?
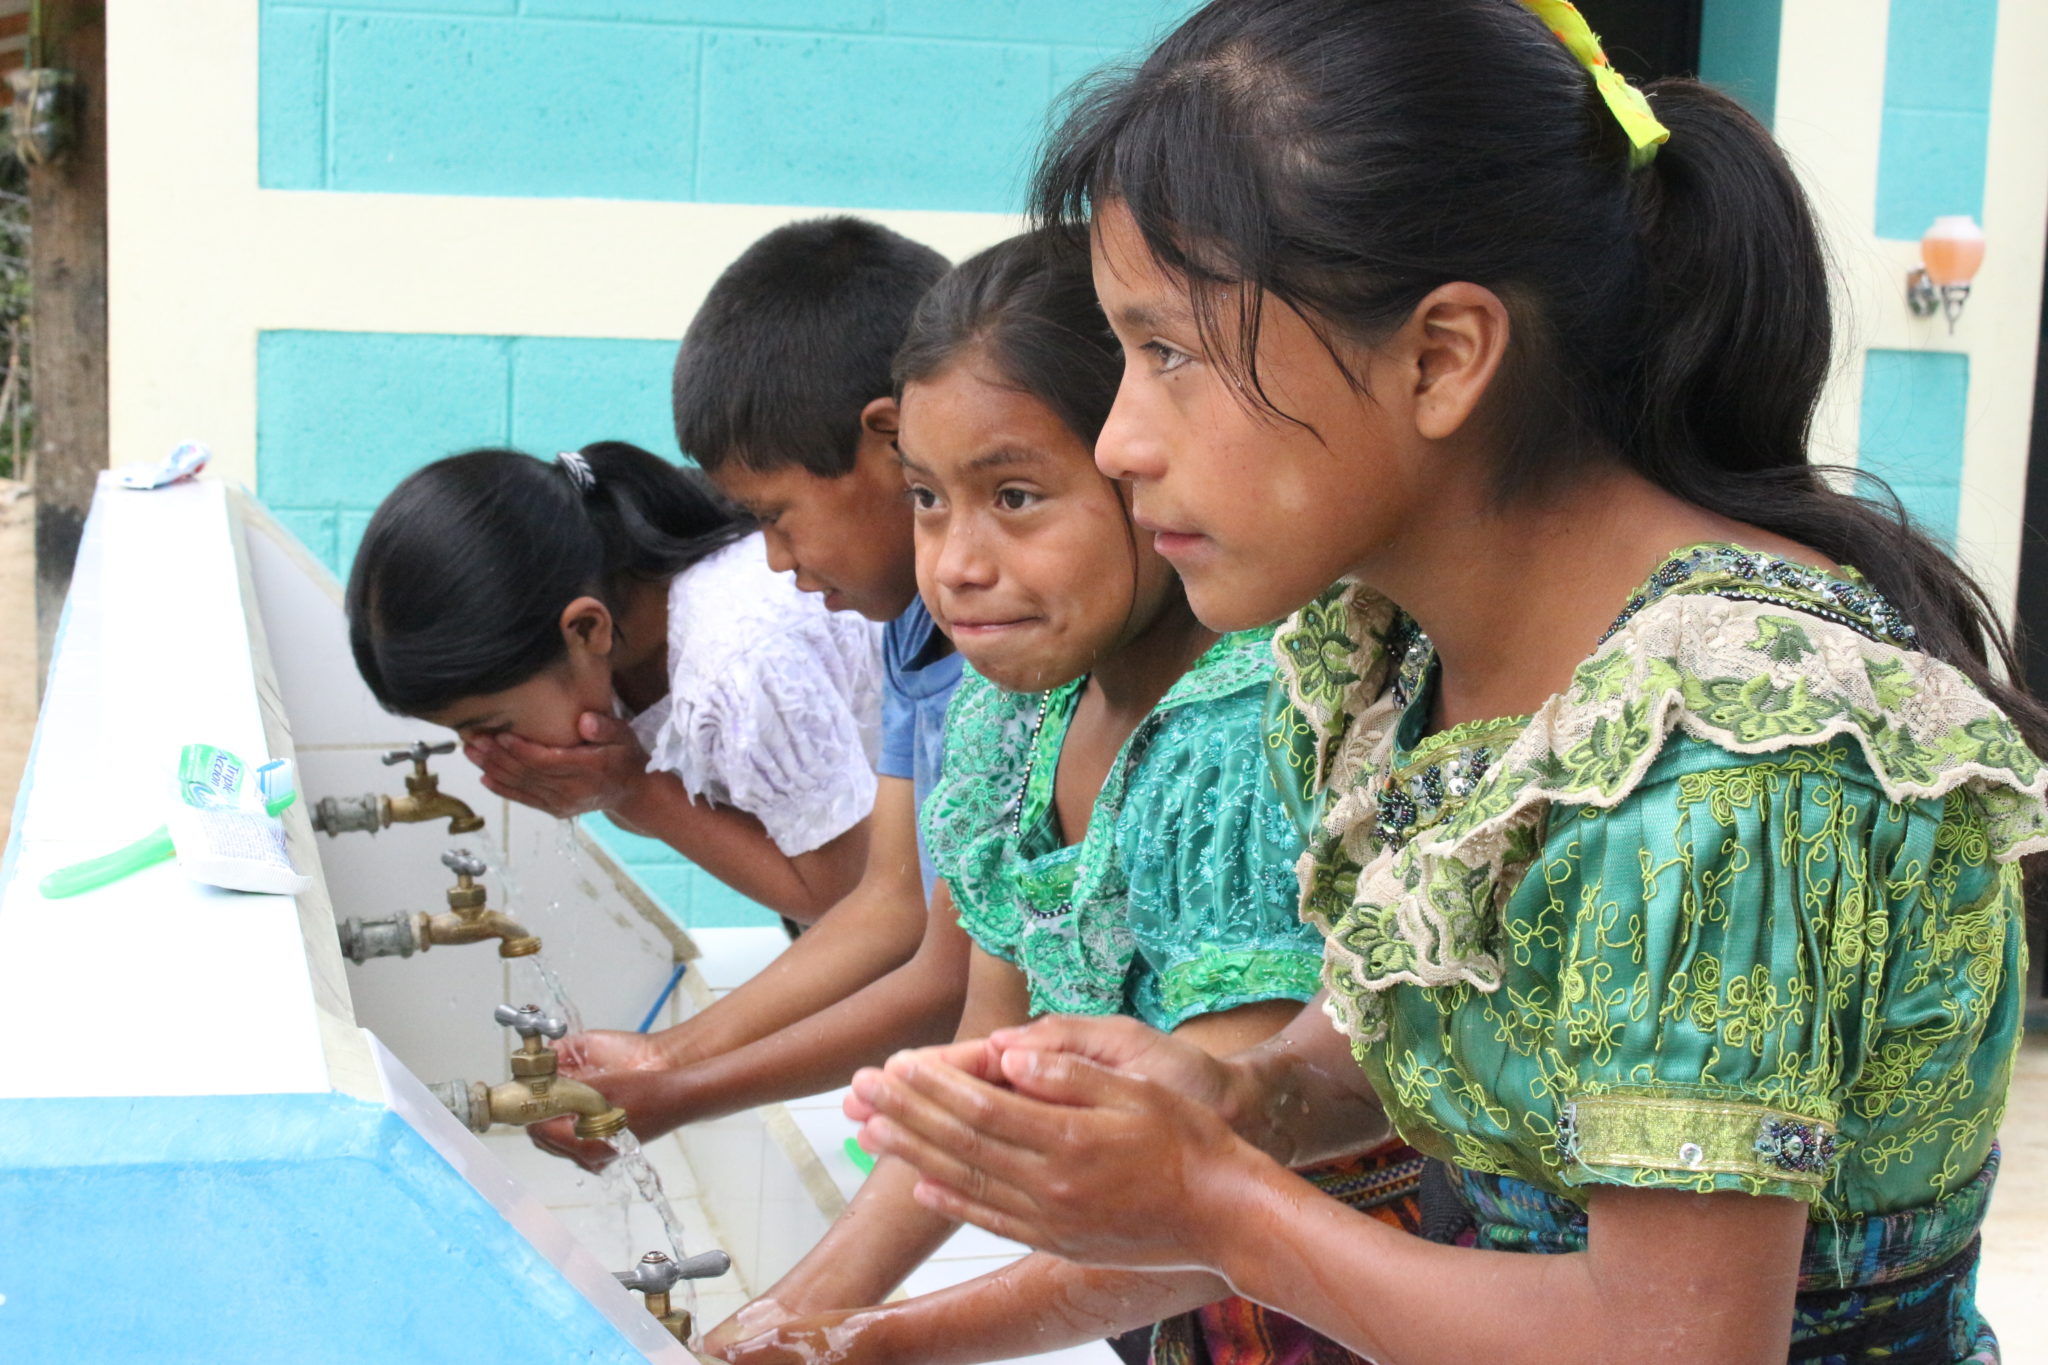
(418, 752)
(657, 1274)
(528, 1021)
(463, 863)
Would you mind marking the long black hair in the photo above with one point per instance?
(1347, 157)
(1028, 305)
(459, 585)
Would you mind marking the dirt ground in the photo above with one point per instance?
(18, 629)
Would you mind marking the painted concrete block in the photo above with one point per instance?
(696, 898)
(568, 392)
(292, 99)
(1105, 23)
(839, 16)
(313, 526)
(1915, 407)
(1071, 64)
(1932, 164)
(1938, 54)
(342, 416)
(348, 534)
(1937, 113)
(864, 122)
(411, 6)
(514, 107)
(1739, 51)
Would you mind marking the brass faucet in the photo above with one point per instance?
(657, 1274)
(423, 800)
(466, 920)
(535, 1093)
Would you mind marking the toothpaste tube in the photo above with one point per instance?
(221, 831)
(224, 824)
(185, 461)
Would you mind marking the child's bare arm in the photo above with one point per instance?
(869, 934)
(884, 1234)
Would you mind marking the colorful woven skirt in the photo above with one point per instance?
(1381, 1182)
(1896, 1288)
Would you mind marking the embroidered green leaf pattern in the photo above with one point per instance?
(1780, 639)
(1482, 933)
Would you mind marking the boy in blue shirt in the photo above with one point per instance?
(783, 395)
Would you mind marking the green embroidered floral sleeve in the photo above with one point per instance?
(1756, 973)
(1210, 854)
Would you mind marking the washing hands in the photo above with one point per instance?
(607, 771)
(626, 1068)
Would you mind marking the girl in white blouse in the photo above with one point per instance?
(604, 633)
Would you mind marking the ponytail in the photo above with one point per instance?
(1736, 341)
(458, 587)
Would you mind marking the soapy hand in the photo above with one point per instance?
(754, 1320)
(604, 772)
(847, 1336)
(1096, 1165)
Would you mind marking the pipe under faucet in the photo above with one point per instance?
(467, 920)
(423, 800)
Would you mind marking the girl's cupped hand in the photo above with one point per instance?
(1096, 1139)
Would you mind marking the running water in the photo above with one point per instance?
(536, 971)
(634, 1167)
(632, 1175)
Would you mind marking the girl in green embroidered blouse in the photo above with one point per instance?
(1106, 820)
(1668, 868)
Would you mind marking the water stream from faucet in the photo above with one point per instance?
(633, 1166)
(632, 1176)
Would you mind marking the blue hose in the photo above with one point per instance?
(662, 999)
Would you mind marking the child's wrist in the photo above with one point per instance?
(1240, 1191)
(631, 802)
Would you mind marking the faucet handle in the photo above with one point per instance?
(463, 863)
(418, 752)
(529, 1022)
(657, 1274)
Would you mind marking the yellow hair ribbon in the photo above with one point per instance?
(1630, 106)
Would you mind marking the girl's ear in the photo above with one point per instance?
(587, 628)
(1459, 336)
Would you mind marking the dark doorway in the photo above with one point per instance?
(1648, 38)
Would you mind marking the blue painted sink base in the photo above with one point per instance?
(275, 1228)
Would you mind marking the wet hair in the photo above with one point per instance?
(1348, 157)
(1027, 305)
(459, 585)
(793, 341)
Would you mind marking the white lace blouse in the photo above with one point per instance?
(774, 703)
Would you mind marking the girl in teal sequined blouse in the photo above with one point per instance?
(1106, 820)
(1668, 865)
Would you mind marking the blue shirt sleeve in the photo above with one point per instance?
(898, 757)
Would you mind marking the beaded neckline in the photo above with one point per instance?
(1723, 570)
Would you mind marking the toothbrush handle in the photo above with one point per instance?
(98, 872)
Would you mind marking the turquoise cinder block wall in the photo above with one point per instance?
(854, 103)
(932, 104)
(1931, 162)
